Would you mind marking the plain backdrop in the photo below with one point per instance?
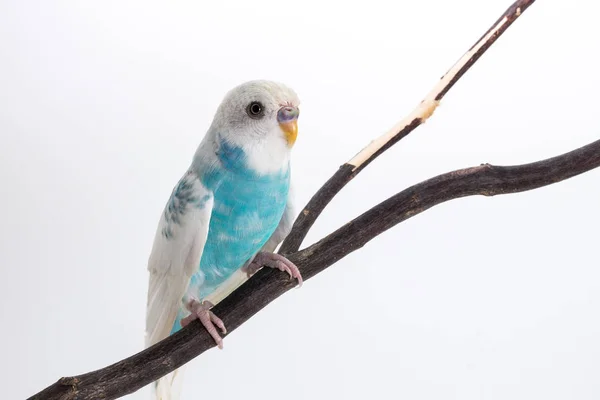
(102, 105)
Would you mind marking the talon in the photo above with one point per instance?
(251, 269)
(201, 311)
(273, 260)
(218, 322)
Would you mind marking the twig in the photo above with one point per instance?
(418, 116)
(131, 374)
(137, 371)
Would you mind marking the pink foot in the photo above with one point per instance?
(202, 312)
(273, 260)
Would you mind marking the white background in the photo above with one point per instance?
(102, 104)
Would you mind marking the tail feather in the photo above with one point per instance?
(169, 386)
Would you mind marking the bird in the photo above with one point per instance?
(225, 217)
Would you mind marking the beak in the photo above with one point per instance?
(288, 122)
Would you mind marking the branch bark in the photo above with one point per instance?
(135, 372)
(418, 116)
(131, 374)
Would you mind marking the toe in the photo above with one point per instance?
(207, 304)
(284, 268)
(251, 269)
(218, 322)
(186, 321)
(205, 318)
(292, 270)
(298, 277)
(273, 260)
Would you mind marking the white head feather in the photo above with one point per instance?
(259, 136)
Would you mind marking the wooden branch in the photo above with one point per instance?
(485, 180)
(137, 371)
(418, 116)
(131, 374)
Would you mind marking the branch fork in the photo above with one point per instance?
(131, 374)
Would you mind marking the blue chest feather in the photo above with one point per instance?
(247, 208)
(246, 211)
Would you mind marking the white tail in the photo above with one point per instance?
(169, 386)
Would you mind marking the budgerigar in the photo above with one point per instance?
(226, 215)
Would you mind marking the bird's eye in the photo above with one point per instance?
(255, 110)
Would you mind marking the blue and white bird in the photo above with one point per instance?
(226, 215)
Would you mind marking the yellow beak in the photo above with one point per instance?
(290, 129)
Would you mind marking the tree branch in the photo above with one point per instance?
(131, 374)
(485, 180)
(135, 372)
(418, 116)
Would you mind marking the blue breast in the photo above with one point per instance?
(246, 211)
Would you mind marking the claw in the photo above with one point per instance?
(218, 322)
(201, 311)
(273, 260)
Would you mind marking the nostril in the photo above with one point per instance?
(287, 113)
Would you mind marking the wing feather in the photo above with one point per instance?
(176, 253)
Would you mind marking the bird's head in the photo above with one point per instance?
(261, 119)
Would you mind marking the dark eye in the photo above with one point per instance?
(255, 110)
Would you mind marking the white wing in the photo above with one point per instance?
(239, 277)
(176, 253)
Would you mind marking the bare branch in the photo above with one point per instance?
(137, 371)
(131, 374)
(486, 180)
(418, 116)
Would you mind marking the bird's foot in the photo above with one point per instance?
(201, 311)
(273, 260)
